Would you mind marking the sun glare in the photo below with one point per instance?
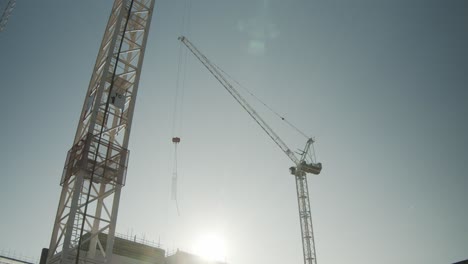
(211, 247)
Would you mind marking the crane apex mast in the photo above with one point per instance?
(306, 167)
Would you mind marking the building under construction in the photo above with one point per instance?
(13, 260)
(128, 250)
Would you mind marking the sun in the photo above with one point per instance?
(210, 246)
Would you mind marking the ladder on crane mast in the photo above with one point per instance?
(300, 170)
(96, 165)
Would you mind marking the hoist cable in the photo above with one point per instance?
(174, 181)
(182, 93)
(262, 102)
(183, 60)
(179, 98)
(174, 175)
(189, 17)
(177, 207)
(181, 71)
(177, 88)
(293, 126)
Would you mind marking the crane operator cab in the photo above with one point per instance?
(314, 168)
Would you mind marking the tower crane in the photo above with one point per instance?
(96, 165)
(301, 167)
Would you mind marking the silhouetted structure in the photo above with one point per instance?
(10, 260)
(181, 257)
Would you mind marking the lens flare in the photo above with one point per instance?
(211, 247)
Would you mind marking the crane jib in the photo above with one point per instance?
(235, 94)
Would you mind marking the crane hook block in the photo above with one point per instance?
(175, 140)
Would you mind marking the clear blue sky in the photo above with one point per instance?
(382, 85)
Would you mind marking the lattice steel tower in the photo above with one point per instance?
(6, 14)
(96, 165)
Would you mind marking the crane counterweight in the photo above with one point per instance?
(313, 168)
